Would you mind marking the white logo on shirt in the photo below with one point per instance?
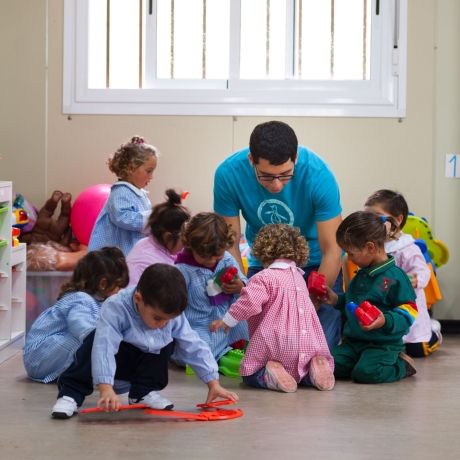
(275, 212)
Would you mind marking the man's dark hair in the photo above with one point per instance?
(273, 141)
(163, 286)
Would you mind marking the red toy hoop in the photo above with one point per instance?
(208, 413)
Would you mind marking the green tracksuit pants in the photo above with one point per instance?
(366, 362)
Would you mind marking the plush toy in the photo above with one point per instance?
(49, 229)
(49, 245)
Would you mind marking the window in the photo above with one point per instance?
(235, 57)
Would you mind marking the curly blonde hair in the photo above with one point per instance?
(130, 156)
(280, 241)
(208, 235)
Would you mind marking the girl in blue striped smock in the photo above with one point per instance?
(206, 239)
(122, 220)
(59, 331)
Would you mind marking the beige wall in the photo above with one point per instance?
(446, 192)
(70, 154)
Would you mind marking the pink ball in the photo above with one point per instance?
(86, 209)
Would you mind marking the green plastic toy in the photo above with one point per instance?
(419, 228)
(229, 364)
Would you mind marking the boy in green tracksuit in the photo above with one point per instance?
(373, 353)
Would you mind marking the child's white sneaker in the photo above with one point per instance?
(65, 407)
(277, 378)
(436, 328)
(154, 400)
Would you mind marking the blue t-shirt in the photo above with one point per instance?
(311, 196)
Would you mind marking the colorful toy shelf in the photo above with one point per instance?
(12, 277)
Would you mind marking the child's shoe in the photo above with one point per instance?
(64, 408)
(153, 400)
(278, 379)
(410, 364)
(436, 328)
(321, 375)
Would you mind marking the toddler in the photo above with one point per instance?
(206, 239)
(165, 224)
(137, 331)
(287, 345)
(123, 218)
(373, 353)
(59, 331)
(424, 336)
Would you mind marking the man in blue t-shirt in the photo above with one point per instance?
(277, 181)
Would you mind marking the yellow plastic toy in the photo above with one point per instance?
(419, 229)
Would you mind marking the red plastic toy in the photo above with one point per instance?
(208, 413)
(317, 284)
(365, 312)
(227, 275)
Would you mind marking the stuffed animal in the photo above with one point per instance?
(46, 227)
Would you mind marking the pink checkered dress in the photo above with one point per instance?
(282, 320)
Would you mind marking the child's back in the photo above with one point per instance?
(409, 258)
(56, 332)
(60, 330)
(284, 326)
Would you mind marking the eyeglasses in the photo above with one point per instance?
(270, 178)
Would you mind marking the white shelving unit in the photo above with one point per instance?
(12, 276)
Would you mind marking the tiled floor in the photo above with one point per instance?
(418, 418)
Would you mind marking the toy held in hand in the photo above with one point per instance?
(214, 286)
(365, 312)
(317, 284)
(226, 275)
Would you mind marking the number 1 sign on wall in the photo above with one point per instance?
(452, 165)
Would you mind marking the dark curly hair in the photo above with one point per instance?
(108, 263)
(130, 156)
(273, 141)
(392, 203)
(280, 241)
(208, 235)
(362, 227)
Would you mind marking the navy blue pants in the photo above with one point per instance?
(146, 372)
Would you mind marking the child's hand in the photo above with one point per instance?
(108, 399)
(217, 391)
(413, 279)
(377, 324)
(218, 324)
(234, 287)
(330, 298)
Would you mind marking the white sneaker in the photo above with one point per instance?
(154, 400)
(436, 328)
(65, 407)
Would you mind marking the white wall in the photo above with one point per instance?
(44, 150)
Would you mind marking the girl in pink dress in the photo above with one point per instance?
(287, 345)
(165, 226)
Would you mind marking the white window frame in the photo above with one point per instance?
(383, 95)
